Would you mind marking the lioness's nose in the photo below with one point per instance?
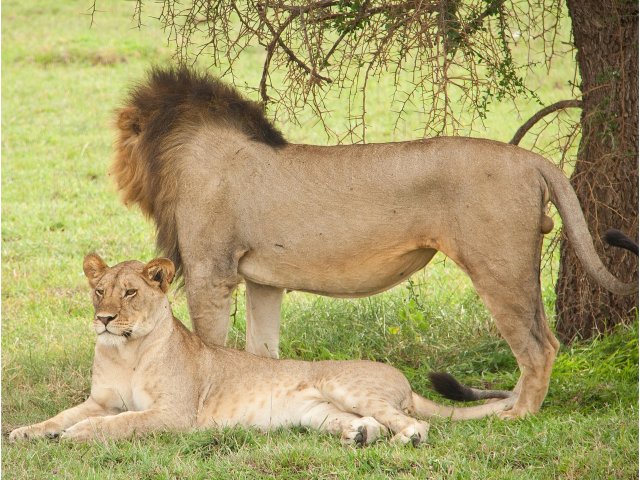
(106, 318)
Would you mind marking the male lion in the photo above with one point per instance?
(150, 373)
(233, 201)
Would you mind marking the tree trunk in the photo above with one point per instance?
(606, 172)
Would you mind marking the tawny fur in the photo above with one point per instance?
(157, 121)
(231, 204)
(151, 374)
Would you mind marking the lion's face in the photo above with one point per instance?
(127, 297)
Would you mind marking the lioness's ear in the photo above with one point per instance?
(93, 267)
(161, 271)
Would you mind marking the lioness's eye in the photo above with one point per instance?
(130, 293)
(99, 292)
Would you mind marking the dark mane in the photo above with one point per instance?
(171, 94)
(158, 118)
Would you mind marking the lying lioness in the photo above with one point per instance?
(150, 373)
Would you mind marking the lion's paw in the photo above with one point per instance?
(513, 414)
(362, 431)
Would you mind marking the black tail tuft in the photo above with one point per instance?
(616, 238)
(447, 386)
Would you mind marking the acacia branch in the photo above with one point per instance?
(476, 23)
(277, 40)
(319, 46)
(301, 8)
(562, 104)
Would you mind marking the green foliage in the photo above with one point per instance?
(350, 20)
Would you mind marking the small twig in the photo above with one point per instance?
(137, 13)
(301, 9)
(92, 12)
(234, 313)
(542, 113)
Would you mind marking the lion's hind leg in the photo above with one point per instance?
(516, 306)
(504, 266)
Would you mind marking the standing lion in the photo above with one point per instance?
(233, 201)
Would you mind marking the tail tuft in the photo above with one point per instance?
(616, 238)
(447, 386)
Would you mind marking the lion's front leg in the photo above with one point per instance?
(56, 425)
(126, 424)
(263, 319)
(209, 294)
(210, 283)
(210, 308)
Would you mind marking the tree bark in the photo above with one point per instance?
(606, 172)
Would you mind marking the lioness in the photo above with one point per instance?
(233, 201)
(150, 373)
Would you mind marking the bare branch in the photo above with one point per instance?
(541, 114)
(92, 12)
(448, 59)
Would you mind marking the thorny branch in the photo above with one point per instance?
(446, 58)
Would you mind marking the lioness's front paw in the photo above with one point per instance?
(38, 430)
(88, 429)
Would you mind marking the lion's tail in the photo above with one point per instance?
(564, 198)
(616, 238)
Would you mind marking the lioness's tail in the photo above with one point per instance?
(447, 386)
(426, 408)
(564, 198)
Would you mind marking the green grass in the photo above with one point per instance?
(61, 83)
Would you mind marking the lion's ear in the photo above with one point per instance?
(160, 271)
(128, 121)
(93, 267)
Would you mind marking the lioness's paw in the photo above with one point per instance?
(23, 433)
(34, 431)
(83, 431)
(415, 434)
(362, 431)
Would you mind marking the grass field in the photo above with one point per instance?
(61, 83)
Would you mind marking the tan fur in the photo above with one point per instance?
(345, 221)
(151, 374)
(131, 175)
